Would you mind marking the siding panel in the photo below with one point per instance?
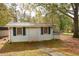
(32, 34)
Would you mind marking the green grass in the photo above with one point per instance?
(68, 33)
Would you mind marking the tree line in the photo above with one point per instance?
(64, 15)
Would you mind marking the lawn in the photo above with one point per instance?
(68, 33)
(27, 48)
(43, 48)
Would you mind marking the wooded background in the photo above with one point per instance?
(64, 16)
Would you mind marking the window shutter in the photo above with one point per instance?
(24, 31)
(42, 30)
(49, 30)
(14, 31)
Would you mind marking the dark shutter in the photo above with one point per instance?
(49, 30)
(42, 30)
(24, 31)
(14, 31)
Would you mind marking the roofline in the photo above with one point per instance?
(28, 24)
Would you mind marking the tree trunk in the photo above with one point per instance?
(75, 19)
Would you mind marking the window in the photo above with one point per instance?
(19, 31)
(45, 30)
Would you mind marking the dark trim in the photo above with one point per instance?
(49, 30)
(24, 31)
(42, 30)
(14, 31)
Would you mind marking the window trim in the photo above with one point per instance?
(49, 30)
(14, 33)
(23, 31)
(41, 30)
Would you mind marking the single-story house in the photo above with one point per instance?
(3, 31)
(25, 31)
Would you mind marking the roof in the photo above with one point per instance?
(3, 28)
(27, 24)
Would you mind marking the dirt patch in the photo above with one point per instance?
(66, 45)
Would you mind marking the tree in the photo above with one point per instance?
(13, 7)
(74, 16)
(26, 11)
(75, 19)
(5, 14)
(64, 9)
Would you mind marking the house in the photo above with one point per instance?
(25, 31)
(3, 31)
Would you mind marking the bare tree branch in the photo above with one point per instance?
(72, 6)
(65, 13)
(68, 11)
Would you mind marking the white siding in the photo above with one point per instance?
(18, 38)
(56, 36)
(47, 36)
(32, 34)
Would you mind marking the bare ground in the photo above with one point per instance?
(66, 45)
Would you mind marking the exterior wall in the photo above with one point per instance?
(18, 38)
(3, 33)
(47, 36)
(32, 34)
(56, 36)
